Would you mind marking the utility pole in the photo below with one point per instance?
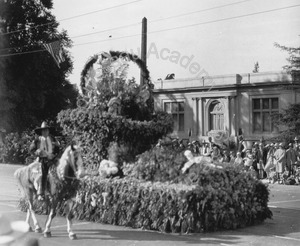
(144, 47)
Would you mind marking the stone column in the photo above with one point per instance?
(196, 118)
(233, 112)
(201, 121)
(227, 113)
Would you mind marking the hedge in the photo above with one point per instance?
(15, 149)
(208, 199)
(97, 130)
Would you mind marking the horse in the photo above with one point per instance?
(62, 184)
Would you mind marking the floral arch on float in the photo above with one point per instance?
(115, 112)
(113, 74)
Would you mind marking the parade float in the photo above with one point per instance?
(138, 183)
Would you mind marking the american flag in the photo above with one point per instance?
(56, 51)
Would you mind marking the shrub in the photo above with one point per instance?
(157, 164)
(97, 130)
(15, 149)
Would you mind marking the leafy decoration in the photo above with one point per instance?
(220, 199)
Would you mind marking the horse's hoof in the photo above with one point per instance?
(30, 229)
(72, 236)
(47, 234)
(38, 230)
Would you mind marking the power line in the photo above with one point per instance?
(170, 17)
(98, 41)
(162, 19)
(72, 17)
(197, 24)
(180, 27)
(22, 53)
(121, 27)
(14, 48)
(115, 28)
(104, 40)
(225, 19)
(199, 11)
(97, 11)
(87, 34)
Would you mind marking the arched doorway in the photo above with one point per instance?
(216, 116)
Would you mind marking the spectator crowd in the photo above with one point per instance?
(273, 162)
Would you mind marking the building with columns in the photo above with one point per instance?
(224, 107)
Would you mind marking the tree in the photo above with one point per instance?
(256, 68)
(32, 87)
(289, 119)
(289, 122)
(293, 59)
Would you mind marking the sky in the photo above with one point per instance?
(190, 38)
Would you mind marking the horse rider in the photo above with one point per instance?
(45, 148)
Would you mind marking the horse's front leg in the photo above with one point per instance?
(47, 231)
(31, 213)
(69, 216)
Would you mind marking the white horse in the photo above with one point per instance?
(62, 183)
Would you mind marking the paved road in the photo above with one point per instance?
(283, 229)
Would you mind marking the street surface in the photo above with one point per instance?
(283, 229)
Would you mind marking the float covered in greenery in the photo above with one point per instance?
(205, 200)
(115, 120)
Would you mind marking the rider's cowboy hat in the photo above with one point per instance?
(43, 126)
(11, 231)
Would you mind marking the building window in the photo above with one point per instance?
(263, 108)
(176, 109)
(216, 116)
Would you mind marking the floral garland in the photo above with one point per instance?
(115, 55)
(86, 68)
